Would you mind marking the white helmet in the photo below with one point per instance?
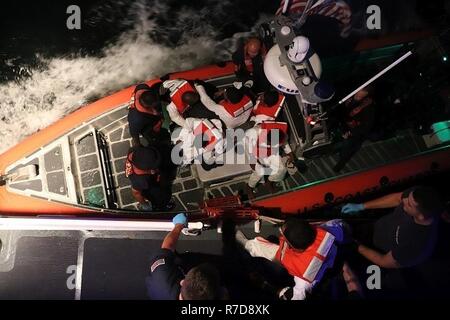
(298, 49)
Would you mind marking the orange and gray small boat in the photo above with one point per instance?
(75, 167)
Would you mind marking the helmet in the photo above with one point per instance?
(298, 49)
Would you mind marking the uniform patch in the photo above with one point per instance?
(156, 264)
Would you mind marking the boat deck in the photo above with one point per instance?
(189, 190)
(99, 151)
(87, 165)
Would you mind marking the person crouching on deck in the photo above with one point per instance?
(268, 106)
(185, 101)
(200, 140)
(234, 110)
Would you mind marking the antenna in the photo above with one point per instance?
(286, 6)
(365, 84)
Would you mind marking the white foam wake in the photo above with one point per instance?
(66, 83)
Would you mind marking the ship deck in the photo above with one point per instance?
(68, 265)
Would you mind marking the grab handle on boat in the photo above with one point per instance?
(193, 229)
(258, 226)
(195, 225)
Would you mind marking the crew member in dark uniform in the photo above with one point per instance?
(151, 184)
(249, 61)
(145, 115)
(166, 279)
(406, 237)
(360, 117)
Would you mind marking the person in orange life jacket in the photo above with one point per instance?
(150, 186)
(406, 237)
(360, 117)
(249, 63)
(166, 279)
(144, 115)
(234, 110)
(268, 106)
(185, 101)
(200, 140)
(262, 144)
(306, 251)
(256, 277)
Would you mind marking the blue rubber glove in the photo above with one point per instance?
(352, 208)
(147, 206)
(180, 219)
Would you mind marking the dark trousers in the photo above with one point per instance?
(157, 138)
(348, 148)
(161, 193)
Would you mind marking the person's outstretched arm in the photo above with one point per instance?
(383, 260)
(209, 103)
(390, 201)
(175, 115)
(298, 292)
(171, 239)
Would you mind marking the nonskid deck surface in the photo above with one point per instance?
(90, 265)
(188, 189)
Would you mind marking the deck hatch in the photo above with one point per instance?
(53, 160)
(56, 183)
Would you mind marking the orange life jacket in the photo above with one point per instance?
(131, 169)
(135, 104)
(208, 129)
(263, 109)
(236, 109)
(264, 147)
(177, 94)
(306, 264)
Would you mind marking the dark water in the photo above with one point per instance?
(46, 70)
(40, 26)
